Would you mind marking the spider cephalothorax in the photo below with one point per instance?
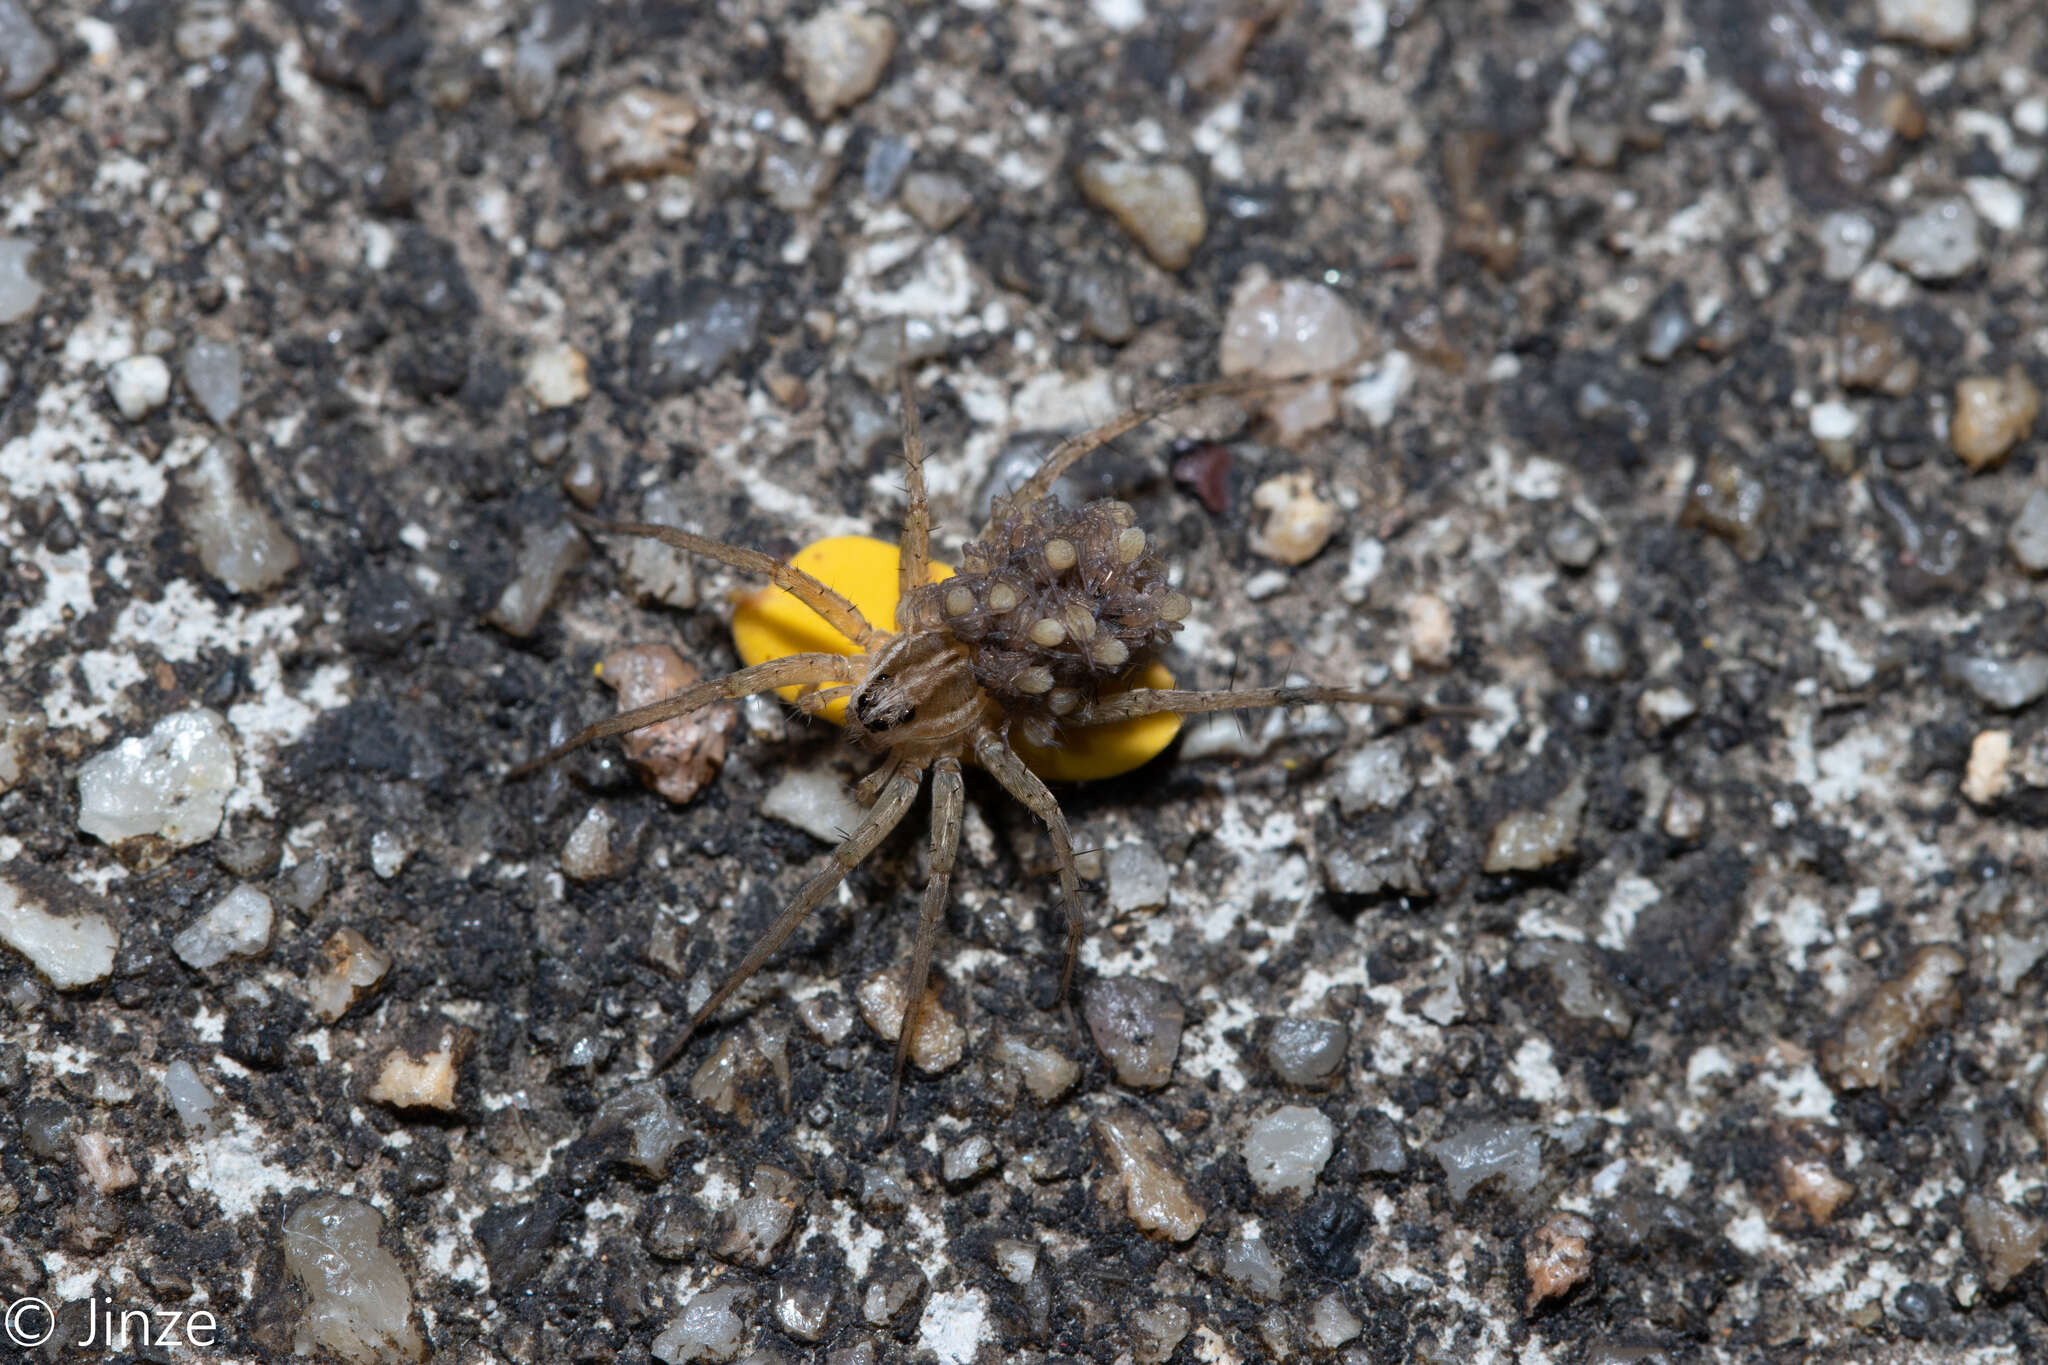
(1041, 638)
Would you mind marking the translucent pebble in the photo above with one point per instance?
(1479, 1152)
(228, 524)
(236, 925)
(1286, 1150)
(20, 291)
(172, 783)
(358, 1301)
(198, 1107)
(69, 949)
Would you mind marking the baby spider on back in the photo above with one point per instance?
(1036, 658)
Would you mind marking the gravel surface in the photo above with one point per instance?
(1686, 1005)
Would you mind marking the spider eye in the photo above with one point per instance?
(879, 707)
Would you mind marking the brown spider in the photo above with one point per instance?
(1053, 613)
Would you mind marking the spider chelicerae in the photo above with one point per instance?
(1039, 637)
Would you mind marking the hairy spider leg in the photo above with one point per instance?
(1070, 451)
(887, 812)
(843, 616)
(1147, 701)
(914, 569)
(946, 803)
(1001, 762)
(794, 670)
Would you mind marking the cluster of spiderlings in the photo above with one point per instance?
(1054, 603)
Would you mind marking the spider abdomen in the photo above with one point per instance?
(1053, 603)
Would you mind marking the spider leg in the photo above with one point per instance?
(916, 544)
(1000, 761)
(1068, 452)
(839, 613)
(886, 814)
(946, 789)
(791, 670)
(1147, 701)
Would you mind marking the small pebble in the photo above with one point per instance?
(1945, 25)
(424, 1079)
(349, 968)
(1138, 878)
(1603, 653)
(557, 35)
(1157, 1332)
(388, 852)
(1155, 1196)
(708, 1329)
(1528, 840)
(20, 291)
(1046, 1072)
(1375, 778)
(70, 948)
(1667, 327)
(637, 134)
(587, 855)
(229, 524)
(796, 179)
(1730, 501)
(968, 1159)
(1557, 1258)
(1432, 631)
(1100, 293)
(1939, 243)
(1292, 524)
(1810, 1189)
(172, 783)
(1992, 416)
(213, 376)
(939, 1042)
(816, 803)
(546, 555)
(1280, 328)
(140, 385)
(198, 1108)
(2028, 538)
(1988, 776)
(674, 757)
(1585, 988)
(237, 925)
(2005, 1241)
(557, 376)
(1331, 1323)
(1685, 815)
(689, 332)
(1306, 1051)
(1573, 542)
(2000, 684)
(1846, 241)
(653, 1130)
(936, 199)
(1159, 205)
(1893, 1019)
(1871, 355)
(888, 158)
(1660, 709)
(838, 56)
(30, 54)
(1137, 1025)
(1249, 1263)
(241, 109)
(358, 1302)
(1287, 1149)
(204, 29)
(1480, 1152)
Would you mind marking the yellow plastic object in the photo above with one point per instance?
(769, 624)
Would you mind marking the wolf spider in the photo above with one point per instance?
(1040, 633)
